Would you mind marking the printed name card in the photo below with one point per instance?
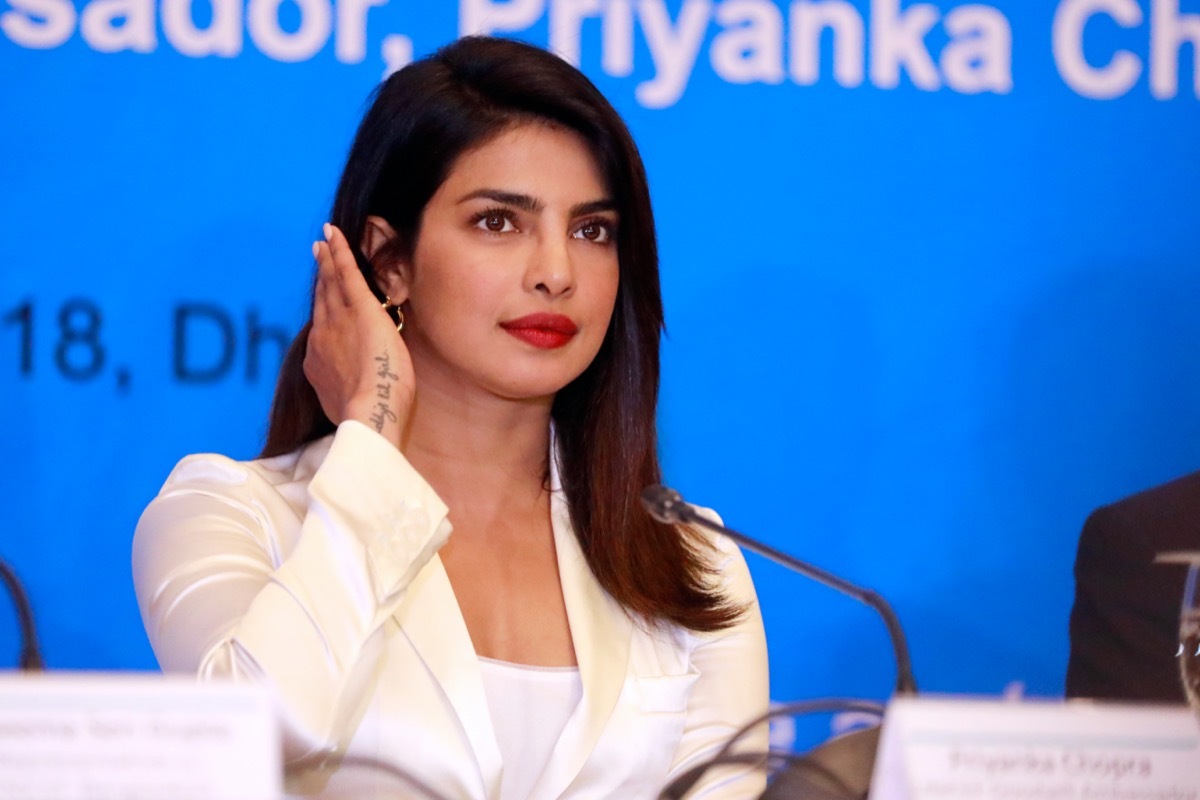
(86, 736)
(946, 749)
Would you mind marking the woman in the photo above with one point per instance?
(560, 642)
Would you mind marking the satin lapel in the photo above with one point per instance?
(600, 632)
(431, 619)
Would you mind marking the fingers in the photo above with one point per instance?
(351, 285)
(325, 279)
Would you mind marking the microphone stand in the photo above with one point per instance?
(31, 656)
(841, 767)
(667, 505)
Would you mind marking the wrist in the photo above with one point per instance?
(383, 415)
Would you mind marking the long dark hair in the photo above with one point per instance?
(421, 120)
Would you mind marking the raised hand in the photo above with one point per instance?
(356, 360)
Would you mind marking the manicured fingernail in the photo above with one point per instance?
(327, 229)
(316, 249)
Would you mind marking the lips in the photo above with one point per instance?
(545, 331)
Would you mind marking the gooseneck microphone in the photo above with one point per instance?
(668, 506)
(31, 656)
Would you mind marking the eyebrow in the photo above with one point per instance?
(532, 205)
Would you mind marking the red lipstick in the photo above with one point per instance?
(547, 331)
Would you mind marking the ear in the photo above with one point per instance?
(379, 244)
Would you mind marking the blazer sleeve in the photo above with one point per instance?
(731, 690)
(1124, 622)
(235, 578)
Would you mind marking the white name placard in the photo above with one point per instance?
(85, 736)
(948, 749)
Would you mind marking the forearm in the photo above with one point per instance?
(235, 580)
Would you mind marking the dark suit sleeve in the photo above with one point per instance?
(1124, 624)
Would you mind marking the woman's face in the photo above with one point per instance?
(514, 275)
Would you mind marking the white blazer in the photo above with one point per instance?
(317, 572)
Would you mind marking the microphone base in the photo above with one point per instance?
(839, 769)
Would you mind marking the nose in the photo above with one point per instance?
(550, 271)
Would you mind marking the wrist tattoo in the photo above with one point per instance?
(383, 391)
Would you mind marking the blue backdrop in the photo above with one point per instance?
(930, 273)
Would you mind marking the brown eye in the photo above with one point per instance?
(495, 222)
(597, 232)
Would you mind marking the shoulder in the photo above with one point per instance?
(354, 472)
(720, 553)
(729, 576)
(300, 464)
(221, 477)
(732, 571)
(275, 493)
(1163, 517)
(352, 449)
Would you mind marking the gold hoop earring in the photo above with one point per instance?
(394, 312)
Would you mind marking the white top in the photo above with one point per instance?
(530, 706)
(317, 573)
